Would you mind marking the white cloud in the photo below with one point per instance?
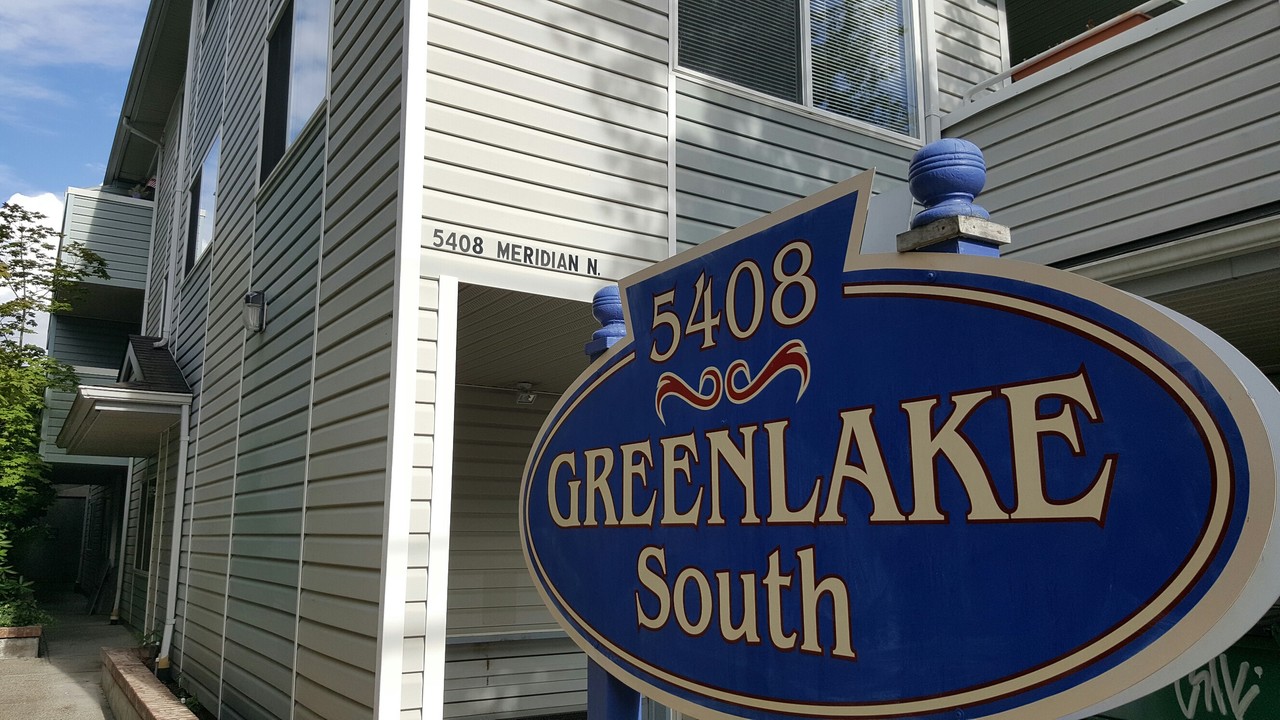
(66, 32)
(47, 204)
(50, 206)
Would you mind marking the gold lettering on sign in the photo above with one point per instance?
(1028, 427)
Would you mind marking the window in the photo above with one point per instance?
(204, 205)
(297, 67)
(847, 57)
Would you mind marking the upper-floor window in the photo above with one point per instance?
(204, 205)
(297, 69)
(848, 57)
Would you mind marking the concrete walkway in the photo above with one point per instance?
(63, 683)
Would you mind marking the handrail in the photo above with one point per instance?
(970, 95)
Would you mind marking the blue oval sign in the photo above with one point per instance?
(816, 484)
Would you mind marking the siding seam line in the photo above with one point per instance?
(311, 387)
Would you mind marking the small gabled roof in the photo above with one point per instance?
(126, 419)
(148, 365)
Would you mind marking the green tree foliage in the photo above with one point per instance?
(35, 277)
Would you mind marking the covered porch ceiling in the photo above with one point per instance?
(119, 421)
(507, 337)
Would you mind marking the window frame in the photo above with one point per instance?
(195, 248)
(279, 129)
(914, 61)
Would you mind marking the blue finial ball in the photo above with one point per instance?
(606, 308)
(945, 175)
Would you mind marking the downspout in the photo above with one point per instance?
(175, 544)
(124, 539)
(929, 72)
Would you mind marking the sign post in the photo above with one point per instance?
(813, 483)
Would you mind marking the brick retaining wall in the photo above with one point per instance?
(133, 692)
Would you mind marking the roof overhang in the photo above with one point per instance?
(119, 422)
(159, 69)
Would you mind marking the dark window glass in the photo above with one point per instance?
(297, 69)
(275, 113)
(752, 43)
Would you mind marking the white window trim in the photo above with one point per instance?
(917, 67)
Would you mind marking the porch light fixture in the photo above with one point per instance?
(255, 311)
(523, 394)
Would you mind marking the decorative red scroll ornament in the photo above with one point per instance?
(791, 356)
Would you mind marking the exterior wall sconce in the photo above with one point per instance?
(524, 396)
(255, 311)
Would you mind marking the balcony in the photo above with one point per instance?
(1167, 128)
(1151, 161)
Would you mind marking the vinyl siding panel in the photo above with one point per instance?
(207, 324)
(341, 562)
(162, 537)
(968, 47)
(546, 126)
(1176, 125)
(490, 590)
(739, 158)
(133, 599)
(515, 679)
(421, 500)
(85, 342)
(169, 206)
(117, 228)
(273, 396)
(210, 59)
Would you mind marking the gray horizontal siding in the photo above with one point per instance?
(133, 599)
(209, 346)
(118, 229)
(211, 41)
(341, 560)
(968, 47)
(546, 123)
(266, 520)
(1178, 128)
(167, 206)
(90, 342)
(739, 158)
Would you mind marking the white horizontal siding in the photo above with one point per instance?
(546, 124)
(515, 679)
(490, 590)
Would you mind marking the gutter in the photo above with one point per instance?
(175, 545)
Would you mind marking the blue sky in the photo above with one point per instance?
(64, 65)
